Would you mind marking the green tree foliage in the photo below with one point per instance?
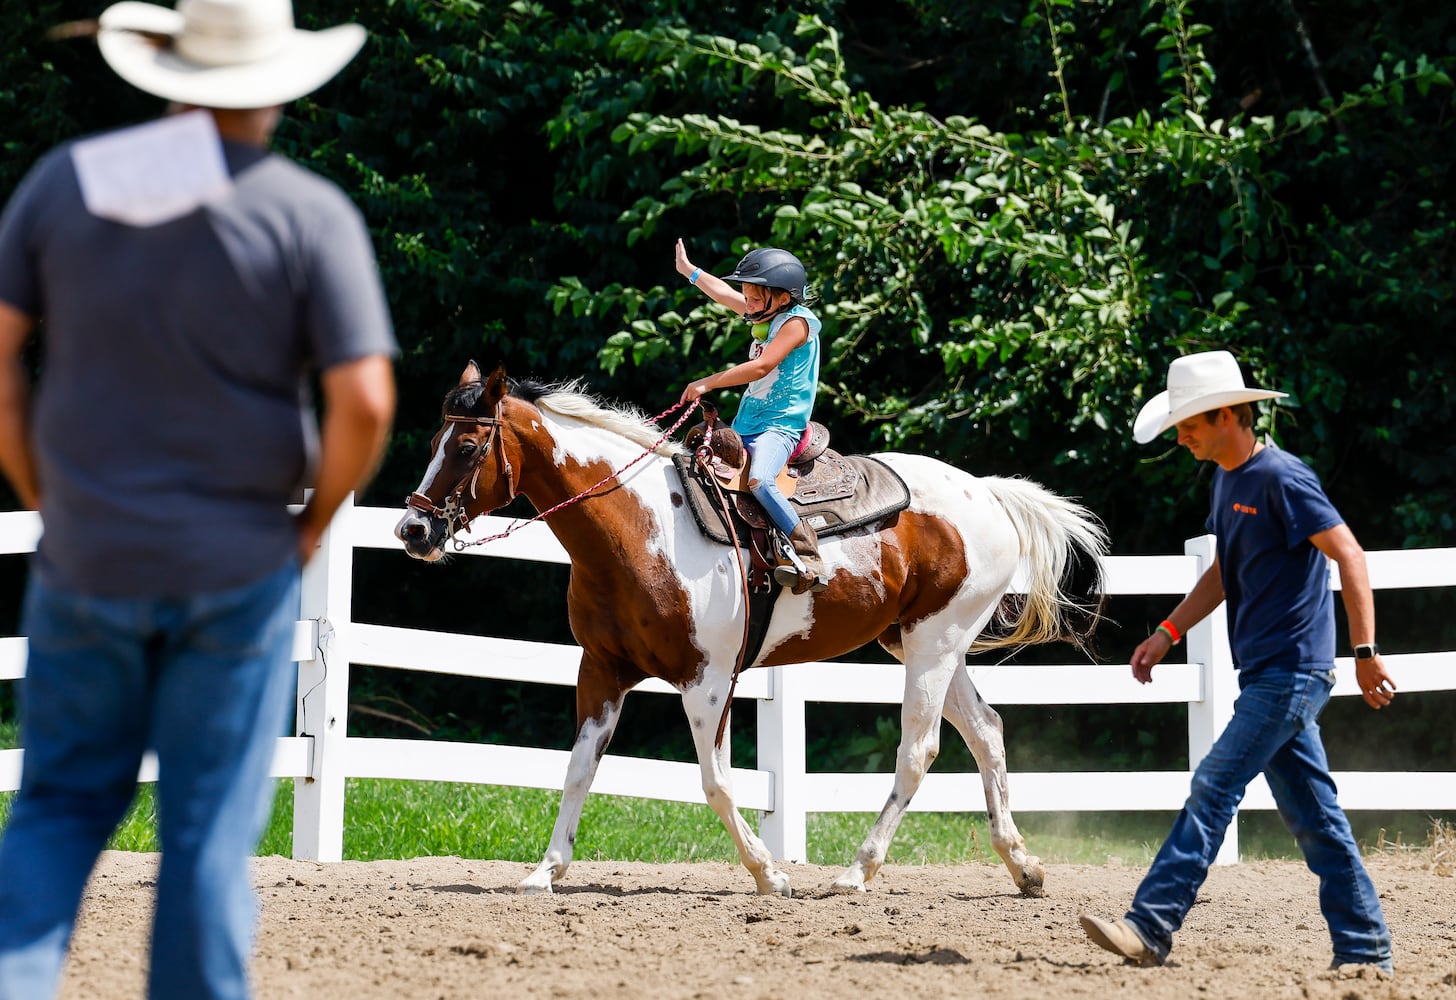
(1016, 212)
(1005, 298)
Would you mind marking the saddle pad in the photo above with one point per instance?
(878, 492)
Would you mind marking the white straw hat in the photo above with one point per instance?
(1197, 383)
(222, 53)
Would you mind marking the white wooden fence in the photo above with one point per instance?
(323, 755)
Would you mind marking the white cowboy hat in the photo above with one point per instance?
(222, 53)
(1197, 383)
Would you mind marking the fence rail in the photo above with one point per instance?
(321, 756)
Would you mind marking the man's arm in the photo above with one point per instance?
(17, 460)
(1339, 543)
(1206, 595)
(358, 411)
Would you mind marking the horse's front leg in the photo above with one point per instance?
(704, 703)
(926, 679)
(599, 695)
(980, 725)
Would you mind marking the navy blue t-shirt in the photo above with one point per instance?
(1281, 612)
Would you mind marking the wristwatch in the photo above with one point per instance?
(1366, 650)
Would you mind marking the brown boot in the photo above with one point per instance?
(1118, 937)
(802, 570)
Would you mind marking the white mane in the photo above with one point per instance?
(625, 421)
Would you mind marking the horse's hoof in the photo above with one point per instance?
(846, 884)
(1033, 876)
(775, 884)
(530, 887)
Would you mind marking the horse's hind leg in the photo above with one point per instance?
(980, 726)
(599, 706)
(925, 690)
(704, 704)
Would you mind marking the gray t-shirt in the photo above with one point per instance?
(173, 420)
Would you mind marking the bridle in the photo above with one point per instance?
(454, 510)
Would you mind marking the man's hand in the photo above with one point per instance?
(1149, 654)
(1376, 686)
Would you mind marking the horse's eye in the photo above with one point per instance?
(467, 448)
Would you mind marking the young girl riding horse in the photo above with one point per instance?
(782, 375)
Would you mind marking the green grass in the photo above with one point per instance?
(400, 819)
(394, 819)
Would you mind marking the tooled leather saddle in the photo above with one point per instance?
(834, 493)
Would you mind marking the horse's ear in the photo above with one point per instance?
(496, 387)
(470, 374)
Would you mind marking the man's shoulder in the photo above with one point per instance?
(1287, 465)
(283, 178)
(53, 167)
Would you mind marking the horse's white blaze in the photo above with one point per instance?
(437, 462)
(412, 518)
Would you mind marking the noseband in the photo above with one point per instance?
(454, 510)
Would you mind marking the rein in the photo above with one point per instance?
(702, 456)
(461, 545)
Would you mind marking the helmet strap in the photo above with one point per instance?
(771, 311)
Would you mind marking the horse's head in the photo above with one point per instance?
(469, 474)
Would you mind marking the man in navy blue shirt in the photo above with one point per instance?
(1275, 532)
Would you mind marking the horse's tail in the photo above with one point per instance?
(1062, 548)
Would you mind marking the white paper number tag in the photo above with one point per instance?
(153, 173)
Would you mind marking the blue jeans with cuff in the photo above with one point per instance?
(1274, 729)
(207, 681)
(768, 453)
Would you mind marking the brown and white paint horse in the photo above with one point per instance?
(650, 596)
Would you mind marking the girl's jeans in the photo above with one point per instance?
(768, 452)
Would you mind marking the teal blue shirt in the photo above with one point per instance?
(784, 398)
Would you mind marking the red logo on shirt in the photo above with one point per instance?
(1244, 508)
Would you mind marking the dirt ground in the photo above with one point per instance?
(448, 928)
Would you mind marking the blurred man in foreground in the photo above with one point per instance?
(187, 284)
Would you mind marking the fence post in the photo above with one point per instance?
(781, 752)
(323, 693)
(1208, 645)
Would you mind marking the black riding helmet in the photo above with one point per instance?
(772, 268)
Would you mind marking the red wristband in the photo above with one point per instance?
(1172, 630)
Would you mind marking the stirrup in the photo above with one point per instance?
(793, 575)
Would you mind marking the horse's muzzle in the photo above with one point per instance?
(423, 535)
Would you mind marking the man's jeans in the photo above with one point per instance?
(207, 682)
(1273, 730)
(767, 454)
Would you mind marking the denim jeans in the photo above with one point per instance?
(207, 682)
(768, 452)
(1275, 730)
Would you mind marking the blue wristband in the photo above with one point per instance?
(693, 278)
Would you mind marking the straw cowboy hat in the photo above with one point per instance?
(1197, 383)
(222, 53)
